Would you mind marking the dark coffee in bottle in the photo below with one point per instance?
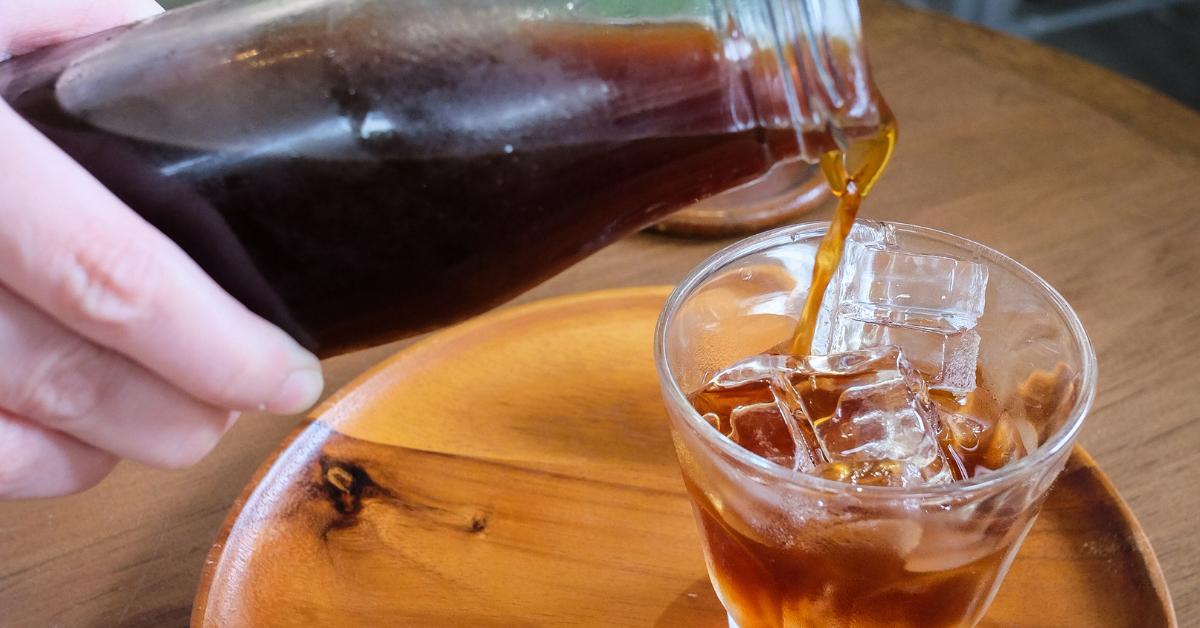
(362, 243)
(359, 177)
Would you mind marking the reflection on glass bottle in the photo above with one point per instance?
(789, 190)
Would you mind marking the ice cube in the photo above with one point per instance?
(925, 304)
(862, 417)
(877, 424)
(761, 428)
(979, 446)
(752, 403)
(979, 434)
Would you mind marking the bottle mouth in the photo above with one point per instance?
(818, 76)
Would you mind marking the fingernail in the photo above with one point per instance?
(300, 358)
(299, 392)
(145, 10)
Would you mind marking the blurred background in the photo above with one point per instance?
(1156, 42)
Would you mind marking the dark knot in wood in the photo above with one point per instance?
(344, 483)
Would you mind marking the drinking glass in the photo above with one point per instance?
(785, 548)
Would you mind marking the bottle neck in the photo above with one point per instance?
(806, 68)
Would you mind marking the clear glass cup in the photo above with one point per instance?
(786, 549)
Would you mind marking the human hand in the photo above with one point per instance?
(113, 343)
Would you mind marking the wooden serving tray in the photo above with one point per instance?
(517, 471)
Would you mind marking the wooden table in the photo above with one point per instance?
(1087, 178)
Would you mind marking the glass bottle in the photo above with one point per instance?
(357, 171)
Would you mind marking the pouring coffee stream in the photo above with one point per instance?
(851, 174)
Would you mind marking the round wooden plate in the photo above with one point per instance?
(517, 471)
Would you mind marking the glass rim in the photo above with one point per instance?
(1005, 475)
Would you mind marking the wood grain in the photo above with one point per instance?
(1085, 177)
(552, 498)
